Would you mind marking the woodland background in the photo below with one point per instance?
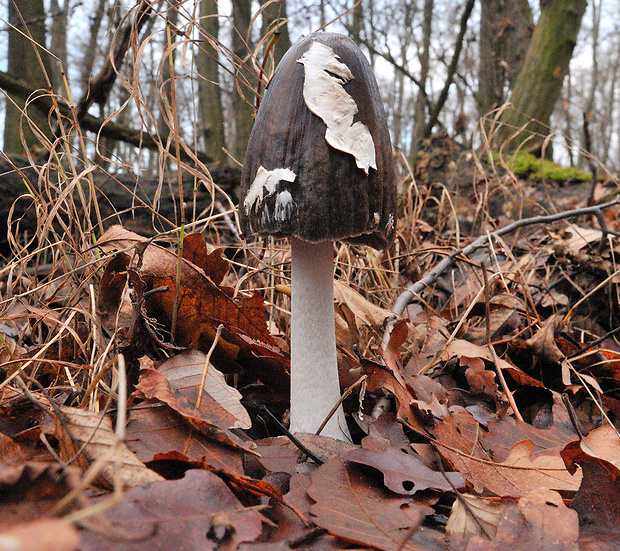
(440, 64)
(144, 365)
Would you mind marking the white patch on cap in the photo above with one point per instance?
(264, 184)
(284, 206)
(326, 98)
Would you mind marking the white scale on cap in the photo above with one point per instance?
(326, 98)
(265, 183)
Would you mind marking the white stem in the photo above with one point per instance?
(314, 370)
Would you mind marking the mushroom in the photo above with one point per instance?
(319, 168)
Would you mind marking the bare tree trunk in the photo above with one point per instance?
(245, 80)
(275, 22)
(539, 83)
(436, 108)
(209, 90)
(28, 62)
(322, 14)
(167, 65)
(609, 129)
(419, 113)
(58, 44)
(357, 21)
(594, 77)
(398, 110)
(505, 31)
(88, 60)
(568, 121)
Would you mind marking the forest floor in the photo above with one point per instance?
(142, 396)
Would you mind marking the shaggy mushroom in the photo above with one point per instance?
(319, 168)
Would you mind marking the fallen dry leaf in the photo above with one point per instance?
(154, 385)
(152, 428)
(601, 446)
(31, 492)
(579, 237)
(474, 516)
(90, 436)
(212, 263)
(543, 344)
(381, 379)
(366, 313)
(472, 355)
(481, 380)
(290, 527)
(540, 522)
(275, 456)
(598, 499)
(173, 465)
(403, 473)
(597, 503)
(351, 508)
(386, 426)
(477, 455)
(220, 404)
(197, 512)
(202, 305)
(11, 453)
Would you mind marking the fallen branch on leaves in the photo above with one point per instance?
(431, 277)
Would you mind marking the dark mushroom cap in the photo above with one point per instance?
(294, 183)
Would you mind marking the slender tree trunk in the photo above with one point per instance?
(568, 121)
(58, 44)
(357, 21)
(275, 22)
(88, 60)
(29, 63)
(245, 78)
(539, 83)
(209, 90)
(419, 113)
(398, 109)
(609, 129)
(167, 66)
(594, 78)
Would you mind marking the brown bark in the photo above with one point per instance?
(169, 54)
(539, 84)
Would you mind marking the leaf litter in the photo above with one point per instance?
(142, 395)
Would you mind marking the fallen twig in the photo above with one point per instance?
(448, 262)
